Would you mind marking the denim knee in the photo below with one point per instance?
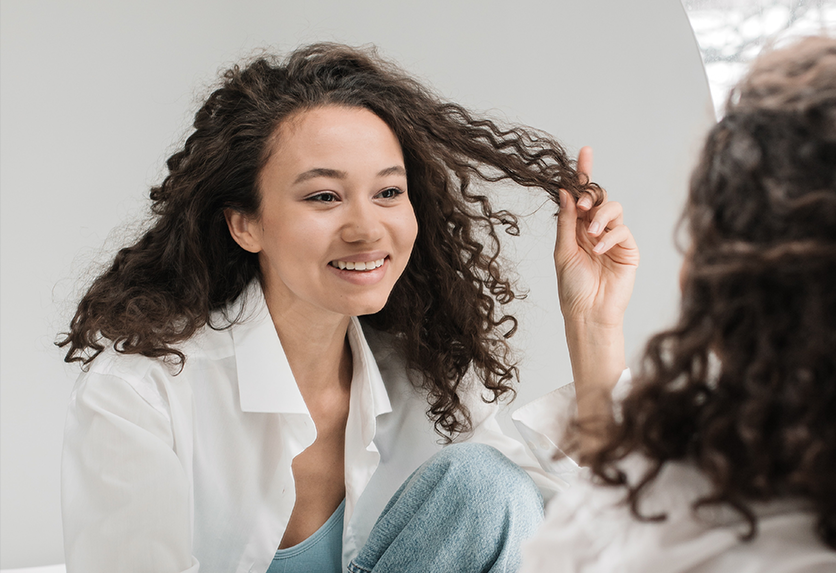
(467, 509)
(479, 474)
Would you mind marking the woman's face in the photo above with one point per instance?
(336, 227)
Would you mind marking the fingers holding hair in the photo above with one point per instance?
(584, 167)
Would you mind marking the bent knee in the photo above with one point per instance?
(483, 473)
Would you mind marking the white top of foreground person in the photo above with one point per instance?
(722, 455)
(588, 528)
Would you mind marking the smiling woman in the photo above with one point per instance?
(235, 414)
(335, 228)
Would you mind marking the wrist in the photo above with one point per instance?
(596, 352)
(597, 333)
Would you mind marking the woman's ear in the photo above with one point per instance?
(243, 229)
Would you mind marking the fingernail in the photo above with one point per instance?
(599, 248)
(595, 228)
(585, 202)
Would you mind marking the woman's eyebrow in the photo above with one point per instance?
(320, 172)
(337, 174)
(394, 170)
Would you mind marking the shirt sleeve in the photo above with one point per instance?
(542, 424)
(126, 497)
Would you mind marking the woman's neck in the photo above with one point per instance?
(316, 348)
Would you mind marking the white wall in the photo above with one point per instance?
(94, 96)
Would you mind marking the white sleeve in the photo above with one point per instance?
(542, 424)
(126, 497)
(550, 477)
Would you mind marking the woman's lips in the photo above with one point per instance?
(372, 272)
(358, 265)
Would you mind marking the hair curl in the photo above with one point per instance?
(446, 309)
(744, 386)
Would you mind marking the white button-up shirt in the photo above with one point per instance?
(191, 471)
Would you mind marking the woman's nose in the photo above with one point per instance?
(362, 223)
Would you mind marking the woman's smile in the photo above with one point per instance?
(359, 265)
(360, 272)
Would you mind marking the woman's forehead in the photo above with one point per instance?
(335, 139)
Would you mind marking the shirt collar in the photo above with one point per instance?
(265, 381)
(373, 397)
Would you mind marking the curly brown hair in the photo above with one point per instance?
(446, 309)
(744, 386)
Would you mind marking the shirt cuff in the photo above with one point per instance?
(544, 424)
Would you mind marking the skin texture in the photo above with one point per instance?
(334, 189)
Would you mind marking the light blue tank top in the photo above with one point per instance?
(319, 553)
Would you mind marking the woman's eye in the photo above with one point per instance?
(389, 193)
(322, 198)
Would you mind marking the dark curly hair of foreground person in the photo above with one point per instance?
(446, 311)
(744, 386)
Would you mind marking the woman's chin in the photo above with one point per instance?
(371, 305)
(369, 309)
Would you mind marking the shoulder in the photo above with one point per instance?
(672, 493)
(397, 374)
(123, 383)
(208, 343)
(120, 376)
(402, 384)
(591, 524)
(120, 365)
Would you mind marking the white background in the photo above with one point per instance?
(95, 95)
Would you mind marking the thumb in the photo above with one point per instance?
(567, 221)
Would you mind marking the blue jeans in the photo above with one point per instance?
(467, 509)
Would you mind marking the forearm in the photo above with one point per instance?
(597, 355)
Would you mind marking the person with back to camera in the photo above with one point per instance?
(234, 415)
(722, 457)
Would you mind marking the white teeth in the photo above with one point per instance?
(358, 266)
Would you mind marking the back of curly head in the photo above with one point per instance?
(744, 386)
(446, 310)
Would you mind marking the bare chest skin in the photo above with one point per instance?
(319, 471)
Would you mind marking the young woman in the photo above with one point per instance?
(235, 415)
(723, 455)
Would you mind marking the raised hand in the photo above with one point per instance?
(595, 257)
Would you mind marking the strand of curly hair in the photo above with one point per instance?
(446, 310)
